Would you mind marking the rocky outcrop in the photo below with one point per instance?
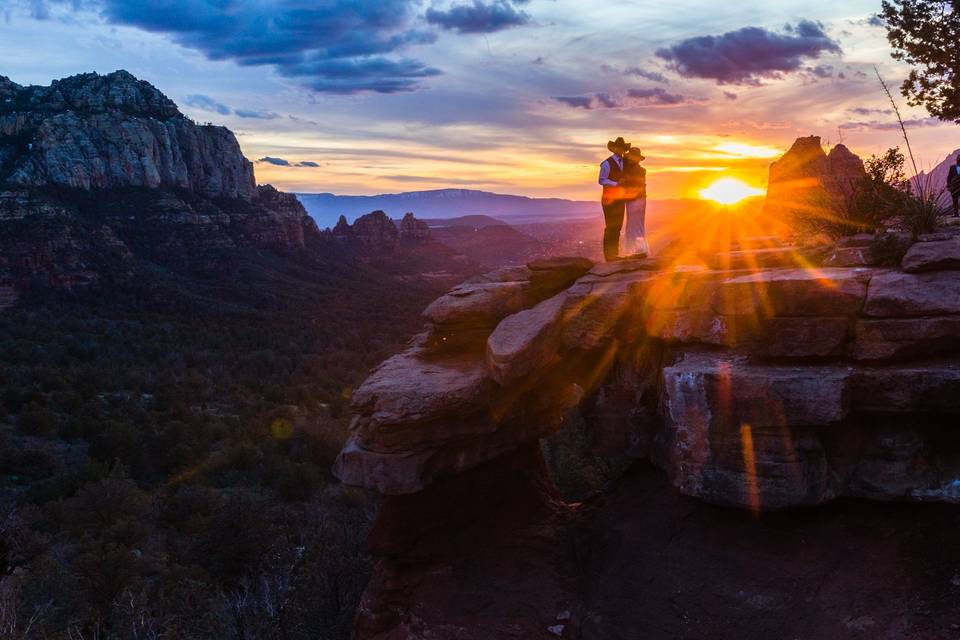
(98, 172)
(806, 177)
(413, 231)
(765, 381)
(114, 131)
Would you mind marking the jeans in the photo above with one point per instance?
(955, 195)
(613, 220)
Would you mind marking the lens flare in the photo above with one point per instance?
(729, 191)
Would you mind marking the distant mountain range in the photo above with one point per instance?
(326, 208)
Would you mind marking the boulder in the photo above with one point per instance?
(411, 403)
(527, 341)
(793, 292)
(754, 259)
(743, 435)
(919, 389)
(932, 256)
(596, 309)
(903, 295)
(480, 305)
(553, 274)
(890, 338)
(848, 257)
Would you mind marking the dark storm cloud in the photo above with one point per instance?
(256, 115)
(749, 54)
(206, 103)
(479, 17)
(311, 41)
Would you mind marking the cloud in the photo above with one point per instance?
(894, 126)
(656, 96)
(822, 71)
(256, 115)
(310, 41)
(749, 54)
(206, 103)
(479, 17)
(652, 97)
(280, 162)
(607, 101)
(577, 102)
(730, 95)
(653, 76)
(864, 111)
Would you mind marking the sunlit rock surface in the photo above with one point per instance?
(763, 378)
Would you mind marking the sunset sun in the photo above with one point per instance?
(729, 191)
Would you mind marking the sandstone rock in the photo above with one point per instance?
(807, 177)
(114, 131)
(886, 339)
(932, 256)
(479, 305)
(925, 388)
(526, 341)
(793, 292)
(375, 231)
(848, 257)
(717, 391)
(405, 472)
(409, 403)
(626, 265)
(787, 337)
(904, 295)
(595, 310)
(413, 230)
(766, 258)
(740, 434)
(858, 240)
(553, 274)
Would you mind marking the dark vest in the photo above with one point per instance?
(616, 174)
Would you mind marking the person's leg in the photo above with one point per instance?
(955, 195)
(613, 224)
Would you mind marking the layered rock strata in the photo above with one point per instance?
(760, 389)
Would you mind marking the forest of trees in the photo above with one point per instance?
(165, 449)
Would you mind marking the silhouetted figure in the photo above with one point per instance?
(953, 186)
(635, 193)
(612, 200)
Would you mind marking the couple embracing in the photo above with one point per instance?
(624, 199)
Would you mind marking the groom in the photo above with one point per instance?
(613, 199)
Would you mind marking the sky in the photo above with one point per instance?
(511, 96)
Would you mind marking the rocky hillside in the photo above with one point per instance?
(110, 132)
(100, 172)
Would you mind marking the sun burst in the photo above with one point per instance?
(729, 191)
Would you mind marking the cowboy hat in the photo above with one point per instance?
(618, 145)
(634, 154)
